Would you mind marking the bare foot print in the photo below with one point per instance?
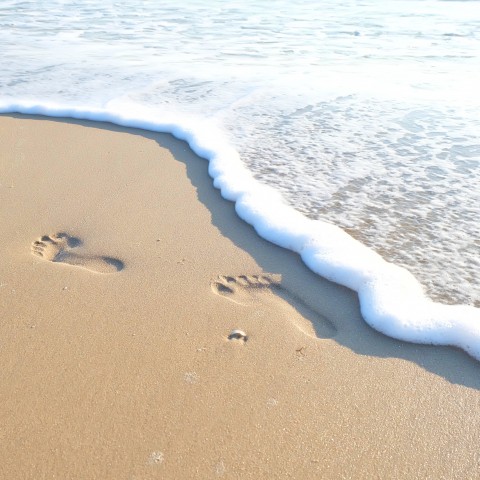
(59, 248)
(251, 290)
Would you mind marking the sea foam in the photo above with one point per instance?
(392, 300)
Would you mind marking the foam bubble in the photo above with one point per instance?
(392, 301)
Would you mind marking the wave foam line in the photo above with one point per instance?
(392, 301)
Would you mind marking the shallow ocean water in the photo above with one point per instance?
(363, 114)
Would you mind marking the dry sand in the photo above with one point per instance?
(122, 273)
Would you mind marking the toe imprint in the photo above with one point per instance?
(50, 247)
(241, 289)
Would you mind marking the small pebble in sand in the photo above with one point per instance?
(237, 334)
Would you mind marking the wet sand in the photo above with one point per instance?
(122, 275)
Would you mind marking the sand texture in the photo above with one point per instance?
(147, 332)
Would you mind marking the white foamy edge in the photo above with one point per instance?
(392, 300)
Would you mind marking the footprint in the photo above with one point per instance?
(251, 290)
(59, 248)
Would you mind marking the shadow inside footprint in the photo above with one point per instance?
(114, 262)
(71, 242)
(247, 290)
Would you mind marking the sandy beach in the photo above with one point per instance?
(122, 275)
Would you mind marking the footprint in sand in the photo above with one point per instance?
(251, 290)
(60, 248)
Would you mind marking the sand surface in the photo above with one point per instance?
(122, 275)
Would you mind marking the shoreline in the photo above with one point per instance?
(131, 374)
(392, 300)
